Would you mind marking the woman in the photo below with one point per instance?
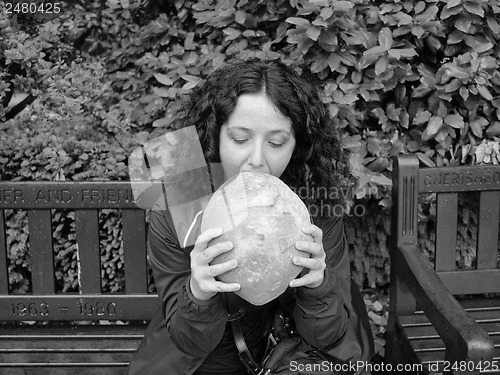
(251, 116)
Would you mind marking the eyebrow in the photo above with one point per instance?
(250, 130)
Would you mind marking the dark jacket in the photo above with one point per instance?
(186, 330)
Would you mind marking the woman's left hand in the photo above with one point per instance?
(315, 263)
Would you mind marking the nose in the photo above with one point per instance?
(256, 157)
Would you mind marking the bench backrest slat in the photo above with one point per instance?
(134, 251)
(446, 231)
(489, 207)
(41, 252)
(4, 269)
(89, 262)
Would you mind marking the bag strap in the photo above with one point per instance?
(235, 313)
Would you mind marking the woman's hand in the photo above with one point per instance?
(315, 263)
(203, 284)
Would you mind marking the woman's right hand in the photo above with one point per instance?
(202, 282)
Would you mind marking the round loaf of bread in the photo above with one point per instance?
(262, 217)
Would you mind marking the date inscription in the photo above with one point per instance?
(44, 309)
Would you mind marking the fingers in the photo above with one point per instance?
(315, 263)
(203, 282)
(219, 269)
(311, 280)
(207, 236)
(311, 263)
(314, 249)
(314, 231)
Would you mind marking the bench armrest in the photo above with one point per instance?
(463, 337)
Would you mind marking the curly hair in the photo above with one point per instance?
(319, 159)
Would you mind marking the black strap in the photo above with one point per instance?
(235, 313)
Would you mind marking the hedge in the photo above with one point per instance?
(416, 77)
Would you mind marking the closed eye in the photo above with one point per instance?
(240, 140)
(275, 144)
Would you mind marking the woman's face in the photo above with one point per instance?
(256, 138)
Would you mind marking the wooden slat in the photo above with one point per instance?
(41, 251)
(487, 243)
(89, 262)
(76, 370)
(4, 271)
(73, 331)
(78, 307)
(433, 355)
(134, 251)
(446, 231)
(73, 195)
(482, 316)
(63, 349)
(416, 332)
(471, 281)
(480, 303)
(464, 178)
(102, 359)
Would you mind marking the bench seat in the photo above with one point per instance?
(427, 347)
(61, 348)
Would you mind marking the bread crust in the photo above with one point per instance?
(263, 217)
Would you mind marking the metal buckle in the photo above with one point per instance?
(238, 314)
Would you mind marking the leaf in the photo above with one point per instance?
(190, 78)
(419, 7)
(474, 8)
(493, 130)
(297, 21)
(463, 24)
(455, 37)
(480, 153)
(164, 93)
(402, 52)
(422, 117)
(381, 65)
(366, 60)
(326, 13)
(453, 86)
(493, 25)
(162, 122)
(464, 92)
(231, 33)
(313, 32)
(327, 37)
(164, 79)
(334, 61)
(385, 38)
(483, 91)
(342, 5)
(457, 72)
(455, 121)
(425, 159)
(418, 31)
(435, 123)
(452, 11)
(453, 3)
(478, 44)
(240, 17)
(476, 129)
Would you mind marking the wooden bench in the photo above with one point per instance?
(78, 335)
(441, 315)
